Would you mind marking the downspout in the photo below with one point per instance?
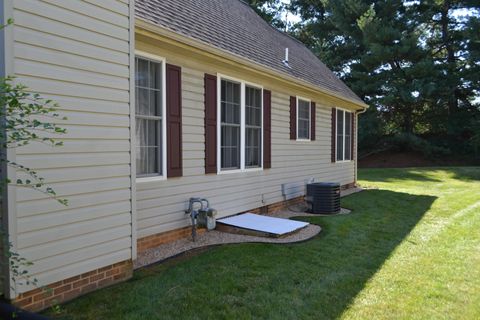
(133, 170)
(356, 135)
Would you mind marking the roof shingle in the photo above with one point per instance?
(233, 26)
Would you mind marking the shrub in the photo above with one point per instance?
(411, 142)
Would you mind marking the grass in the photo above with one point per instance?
(409, 250)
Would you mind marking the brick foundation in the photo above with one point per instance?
(155, 240)
(62, 291)
(277, 206)
(348, 186)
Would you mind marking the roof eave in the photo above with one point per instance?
(198, 44)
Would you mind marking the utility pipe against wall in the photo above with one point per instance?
(195, 212)
(285, 61)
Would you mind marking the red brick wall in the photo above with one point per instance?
(348, 186)
(271, 208)
(73, 287)
(155, 240)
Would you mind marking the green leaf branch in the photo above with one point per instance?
(28, 118)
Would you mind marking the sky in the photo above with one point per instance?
(288, 16)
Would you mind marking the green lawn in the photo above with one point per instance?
(409, 250)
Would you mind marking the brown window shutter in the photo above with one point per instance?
(210, 83)
(353, 136)
(267, 129)
(334, 134)
(313, 119)
(293, 118)
(174, 121)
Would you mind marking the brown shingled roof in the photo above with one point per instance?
(233, 26)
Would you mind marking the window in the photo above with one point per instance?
(253, 127)
(303, 119)
(344, 135)
(149, 119)
(231, 125)
(340, 129)
(240, 126)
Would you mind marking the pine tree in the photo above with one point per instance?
(452, 39)
(416, 62)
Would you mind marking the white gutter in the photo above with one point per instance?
(362, 111)
(356, 135)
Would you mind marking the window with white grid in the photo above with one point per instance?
(240, 127)
(149, 117)
(344, 135)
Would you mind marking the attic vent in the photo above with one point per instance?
(285, 61)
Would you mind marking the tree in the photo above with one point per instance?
(452, 40)
(416, 62)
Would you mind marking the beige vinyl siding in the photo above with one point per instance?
(76, 53)
(161, 204)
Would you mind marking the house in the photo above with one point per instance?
(165, 100)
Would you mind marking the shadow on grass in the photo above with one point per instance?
(465, 173)
(399, 174)
(353, 248)
(421, 174)
(317, 279)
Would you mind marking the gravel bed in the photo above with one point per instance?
(215, 237)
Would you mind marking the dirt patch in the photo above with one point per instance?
(395, 159)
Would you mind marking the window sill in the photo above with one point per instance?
(150, 179)
(239, 171)
(343, 161)
(304, 140)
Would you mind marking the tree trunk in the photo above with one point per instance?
(407, 121)
(446, 42)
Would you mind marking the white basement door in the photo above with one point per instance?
(251, 221)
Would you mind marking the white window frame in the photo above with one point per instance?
(162, 60)
(336, 135)
(309, 118)
(242, 83)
